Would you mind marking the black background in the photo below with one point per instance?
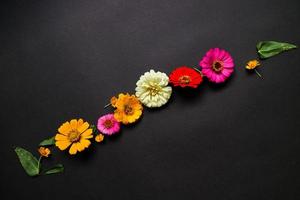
(64, 59)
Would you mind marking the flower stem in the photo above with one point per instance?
(39, 161)
(258, 73)
(107, 105)
(198, 70)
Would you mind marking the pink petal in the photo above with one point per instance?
(216, 53)
(207, 72)
(212, 77)
(227, 72)
(220, 78)
(227, 65)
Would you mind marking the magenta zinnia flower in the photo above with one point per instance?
(217, 65)
(108, 125)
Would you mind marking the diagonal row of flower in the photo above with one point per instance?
(153, 90)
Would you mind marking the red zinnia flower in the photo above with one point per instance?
(185, 77)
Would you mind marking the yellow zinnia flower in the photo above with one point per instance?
(128, 108)
(99, 138)
(44, 152)
(75, 134)
(252, 64)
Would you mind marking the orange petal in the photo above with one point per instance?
(85, 143)
(73, 124)
(83, 127)
(87, 133)
(60, 137)
(80, 147)
(62, 145)
(65, 128)
(79, 123)
(73, 149)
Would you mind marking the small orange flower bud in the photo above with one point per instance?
(113, 101)
(45, 152)
(99, 138)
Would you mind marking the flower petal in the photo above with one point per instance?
(61, 137)
(83, 127)
(73, 149)
(73, 124)
(227, 72)
(62, 145)
(80, 122)
(88, 133)
(80, 147)
(64, 128)
(85, 143)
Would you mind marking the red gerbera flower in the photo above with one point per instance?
(185, 77)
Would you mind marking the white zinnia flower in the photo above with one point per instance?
(152, 89)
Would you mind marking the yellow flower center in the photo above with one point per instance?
(108, 124)
(185, 79)
(154, 90)
(128, 110)
(74, 136)
(217, 66)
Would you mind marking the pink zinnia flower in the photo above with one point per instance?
(217, 65)
(108, 125)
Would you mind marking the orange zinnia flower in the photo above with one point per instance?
(76, 134)
(128, 108)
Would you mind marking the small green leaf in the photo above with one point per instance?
(48, 142)
(55, 169)
(267, 49)
(94, 128)
(28, 161)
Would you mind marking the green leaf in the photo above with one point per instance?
(94, 128)
(267, 49)
(48, 142)
(55, 169)
(28, 161)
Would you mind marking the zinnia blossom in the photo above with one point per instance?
(108, 125)
(217, 65)
(44, 152)
(99, 138)
(76, 134)
(252, 65)
(128, 108)
(185, 77)
(152, 89)
(113, 101)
